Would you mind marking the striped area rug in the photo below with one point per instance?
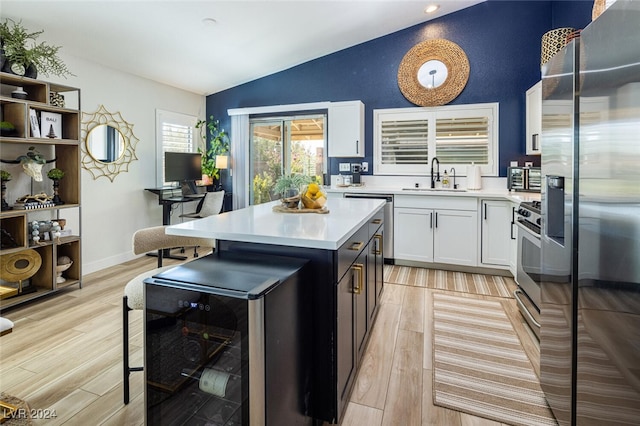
(479, 364)
(488, 285)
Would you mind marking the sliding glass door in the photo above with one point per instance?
(285, 145)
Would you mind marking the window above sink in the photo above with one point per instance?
(407, 139)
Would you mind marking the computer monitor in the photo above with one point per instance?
(183, 167)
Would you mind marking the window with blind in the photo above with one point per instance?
(407, 139)
(175, 133)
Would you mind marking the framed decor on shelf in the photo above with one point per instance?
(35, 124)
(50, 125)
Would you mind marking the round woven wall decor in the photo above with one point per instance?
(445, 51)
(19, 266)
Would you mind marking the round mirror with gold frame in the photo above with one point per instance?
(108, 143)
(433, 72)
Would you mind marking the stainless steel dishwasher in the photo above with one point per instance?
(388, 220)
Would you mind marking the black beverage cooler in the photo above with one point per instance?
(226, 342)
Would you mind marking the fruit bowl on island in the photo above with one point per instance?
(312, 197)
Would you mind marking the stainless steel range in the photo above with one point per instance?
(528, 264)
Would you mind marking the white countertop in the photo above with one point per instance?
(260, 224)
(398, 190)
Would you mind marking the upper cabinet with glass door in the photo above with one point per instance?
(346, 129)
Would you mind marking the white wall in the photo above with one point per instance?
(112, 211)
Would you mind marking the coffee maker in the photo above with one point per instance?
(355, 174)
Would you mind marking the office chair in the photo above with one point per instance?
(145, 240)
(210, 205)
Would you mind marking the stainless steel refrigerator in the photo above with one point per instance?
(590, 242)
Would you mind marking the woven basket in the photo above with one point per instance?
(553, 41)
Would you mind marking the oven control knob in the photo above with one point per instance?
(538, 221)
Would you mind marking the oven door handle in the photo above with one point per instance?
(529, 231)
(523, 308)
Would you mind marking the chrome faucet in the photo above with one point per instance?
(455, 185)
(433, 182)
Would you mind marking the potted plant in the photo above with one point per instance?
(288, 187)
(5, 176)
(218, 145)
(7, 129)
(25, 56)
(55, 175)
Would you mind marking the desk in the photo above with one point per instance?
(167, 202)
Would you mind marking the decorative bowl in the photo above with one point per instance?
(59, 270)
(291, 202)
(311, 203)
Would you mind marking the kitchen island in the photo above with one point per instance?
(345, 251)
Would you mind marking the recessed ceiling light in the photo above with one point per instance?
(209, 22)
(432, 8)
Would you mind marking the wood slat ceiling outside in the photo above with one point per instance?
(301, 130)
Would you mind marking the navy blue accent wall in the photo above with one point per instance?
(502, 40)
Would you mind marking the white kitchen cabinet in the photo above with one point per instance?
(413, 234)
(534, 119)
(445, 233)
(346, 129)
(496, 218)
(455, 239)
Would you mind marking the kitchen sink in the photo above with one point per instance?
(434, 189)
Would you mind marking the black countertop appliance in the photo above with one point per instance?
(226, 342)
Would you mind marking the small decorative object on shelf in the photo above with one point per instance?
(7, 128)
(51, 125)
(19, 266)
(34, 232)
(31, 202)
(35, 123)
(56, 99)
(19, 93)
(5, 177)
(55, 175)
(64, 263)
(32, 163)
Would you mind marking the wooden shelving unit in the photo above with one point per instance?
(66, 151)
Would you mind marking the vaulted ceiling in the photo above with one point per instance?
(208, 46)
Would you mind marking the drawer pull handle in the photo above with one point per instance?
(376, 221)
(356, 246)
(359, 284)
(378, 246)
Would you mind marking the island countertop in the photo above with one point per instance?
(260, 224)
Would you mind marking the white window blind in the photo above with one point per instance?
(404, 142)
(462, 140)
(407, 139)
(175, 132)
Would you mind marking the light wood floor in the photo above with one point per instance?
(65, 355)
